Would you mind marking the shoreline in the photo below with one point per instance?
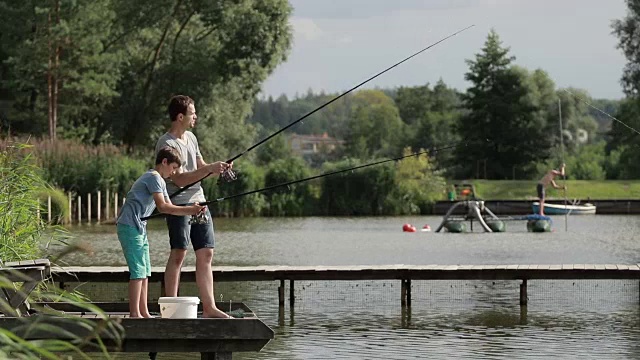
(524, 207)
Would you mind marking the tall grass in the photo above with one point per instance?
(84, 169)
(21, 232)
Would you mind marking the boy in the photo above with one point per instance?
(546, 180)
(148, 191)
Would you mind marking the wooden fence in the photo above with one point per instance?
(97, 207)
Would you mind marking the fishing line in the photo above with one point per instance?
(601, 111)
(314, 177)
(229, 175)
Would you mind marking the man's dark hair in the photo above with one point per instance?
(179, 105)
(171, 154)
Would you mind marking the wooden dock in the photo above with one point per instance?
(213, 338)
(403, 273)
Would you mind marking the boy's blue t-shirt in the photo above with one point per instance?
(139, 202)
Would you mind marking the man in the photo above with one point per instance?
(547, 179)
(182, 113)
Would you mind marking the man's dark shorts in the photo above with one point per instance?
(181, 233)
(541, 193)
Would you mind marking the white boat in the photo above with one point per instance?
(561, 209)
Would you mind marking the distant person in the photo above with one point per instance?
(547, 179)
(147, 192)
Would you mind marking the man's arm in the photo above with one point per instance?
(183, 179)
(556, 186)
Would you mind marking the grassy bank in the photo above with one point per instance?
(576, 189)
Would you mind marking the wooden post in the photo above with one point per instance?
(523, 293)
(281, 294)
(89, 208)
(108, 206)
(99, 209)
(79, 209)
(49, 209)
(408, 292)
(70, 208)
(403, 293)
(115, 204)
(292, 296)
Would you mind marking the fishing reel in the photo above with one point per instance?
(201, 218)
(227, 176)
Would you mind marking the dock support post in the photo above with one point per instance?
(281, 293)
(292, 296)
(405, 292)
(523, 293)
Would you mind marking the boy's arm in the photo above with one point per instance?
(166, 207)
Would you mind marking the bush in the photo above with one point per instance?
(294, 200)
(86, 169)
(249, 178)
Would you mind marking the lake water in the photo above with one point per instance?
(448, 319)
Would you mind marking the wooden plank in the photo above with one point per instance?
(156, 335)
(622, 267)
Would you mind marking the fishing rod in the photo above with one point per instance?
(229, 175)
(314, 177)
(564, 176)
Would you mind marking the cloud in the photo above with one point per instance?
(306, 29)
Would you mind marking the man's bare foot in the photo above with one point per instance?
(147, 315)
(135, 316)
(216, 313)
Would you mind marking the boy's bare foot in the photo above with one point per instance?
(216, 313)
(147, 315)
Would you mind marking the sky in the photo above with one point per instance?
(339, 43)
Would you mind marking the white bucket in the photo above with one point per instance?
(181, 307)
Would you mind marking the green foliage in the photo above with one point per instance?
(626, 31)
(375, 128)
(275, 149)
(59, 205)
(360, 192)
(295, 200)
(60, 45)
(20, 227)
(86, 169)
(418, 186)
(250, 178)
(506, 126)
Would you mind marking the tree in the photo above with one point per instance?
(503, 129)
(626, 30)
(56, 63)
(375, 128)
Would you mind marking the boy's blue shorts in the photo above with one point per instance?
(136, 251)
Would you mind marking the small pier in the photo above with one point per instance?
(402, 273)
